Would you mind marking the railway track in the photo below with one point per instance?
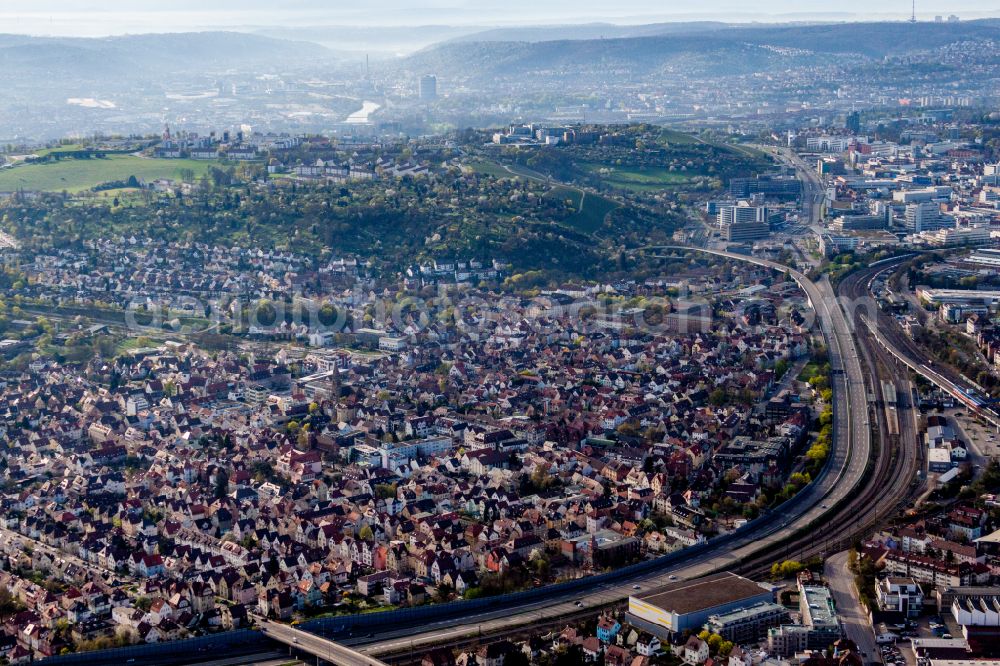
(895, 455)
(869, 482)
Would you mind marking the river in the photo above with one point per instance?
(363, 115)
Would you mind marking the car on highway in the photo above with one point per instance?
(636, 587)
(295, 640)
(579, 604)
(672, 577)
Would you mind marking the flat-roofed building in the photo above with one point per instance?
(820, 626)
(965, 297)
(902, 595)
(984, 257)
(747, 624)
(939, 460)
(689, 604)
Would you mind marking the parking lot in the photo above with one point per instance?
(982, 438)
(935, 626)
(893, 656)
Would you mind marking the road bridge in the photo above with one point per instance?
(317, 646)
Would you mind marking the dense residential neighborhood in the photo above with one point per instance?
(161, 491)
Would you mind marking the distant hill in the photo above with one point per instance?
(548, 33)
(73, 58)
(710, 50)
(377, 41)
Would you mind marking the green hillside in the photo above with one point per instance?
(76, 175)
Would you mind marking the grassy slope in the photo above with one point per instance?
(591, 209)
(589, 216)
(78, 175)
(639, 179)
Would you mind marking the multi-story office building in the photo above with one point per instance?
(744, 231)
(428, 88)
(742, 213)
(770, 186)
(926, 216)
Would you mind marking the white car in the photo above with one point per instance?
(672, 577)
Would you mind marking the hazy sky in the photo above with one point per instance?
(92, 18)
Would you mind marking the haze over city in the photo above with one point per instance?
(89, 19)
(482, 333)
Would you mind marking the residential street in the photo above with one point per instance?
(851, 612)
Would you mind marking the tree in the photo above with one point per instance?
(572, 656)
(443, 592)
(8, 603)
(221, 484)
(385, 490)
(516, 658)
(366, 534)
(786, 569)
(718, 397)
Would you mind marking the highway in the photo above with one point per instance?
(830, 495)
(813, 191)
(901, 447)
(317, 646)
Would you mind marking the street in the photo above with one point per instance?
(852, 613)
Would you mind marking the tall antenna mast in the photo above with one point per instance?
(913, 16)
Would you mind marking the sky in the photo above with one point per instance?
(98, 18)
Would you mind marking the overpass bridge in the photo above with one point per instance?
(322, 648)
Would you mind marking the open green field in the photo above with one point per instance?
(639, 179)
(497, 170)
(489, 168)
(673, 136)
(75, 175)
(67, 148)
(590, 208)
(566, 194)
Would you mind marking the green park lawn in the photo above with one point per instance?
(75, 175)
(590, 208)
(639, 178)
